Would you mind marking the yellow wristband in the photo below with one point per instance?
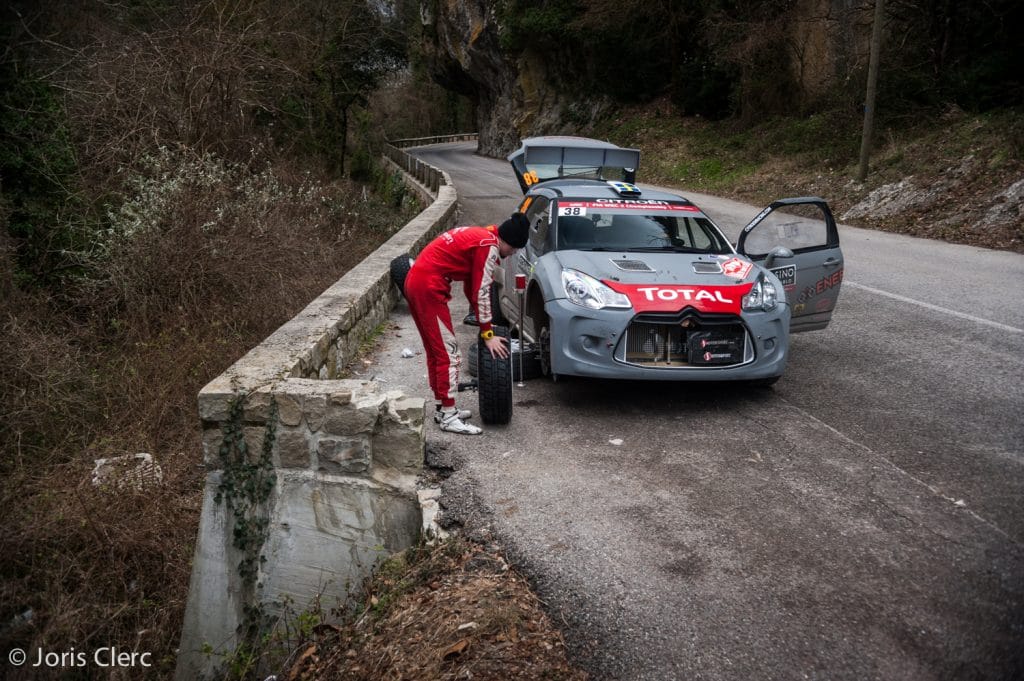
(487, 335)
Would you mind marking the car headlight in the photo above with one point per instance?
(762, 296)
(583, 289)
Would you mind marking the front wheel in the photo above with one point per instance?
(544, 351)
(494, 383)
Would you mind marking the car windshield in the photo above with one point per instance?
(635, 231)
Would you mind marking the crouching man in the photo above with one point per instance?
(468, 255)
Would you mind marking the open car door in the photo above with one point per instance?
(813, 274)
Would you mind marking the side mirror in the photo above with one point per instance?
(777, 253)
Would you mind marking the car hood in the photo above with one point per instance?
(669, 282)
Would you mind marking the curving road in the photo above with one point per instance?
(862, 520)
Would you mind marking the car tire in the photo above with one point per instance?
(471, 358)
(494, 383)
(497, 316)
(531, 362)
(400, 267)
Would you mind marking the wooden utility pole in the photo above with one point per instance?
(869, 99)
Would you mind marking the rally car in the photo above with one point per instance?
(619, 282)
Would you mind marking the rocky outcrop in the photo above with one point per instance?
(523, 93)
(516, 96)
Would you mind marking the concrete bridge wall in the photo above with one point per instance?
(311, 478)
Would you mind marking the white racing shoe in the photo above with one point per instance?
(451, 423)
(464, 414)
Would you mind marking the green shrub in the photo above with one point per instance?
(47, 219)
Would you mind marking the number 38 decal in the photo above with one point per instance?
(530, 177)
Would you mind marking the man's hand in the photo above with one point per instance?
(496, 345)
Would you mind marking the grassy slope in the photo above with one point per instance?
(220, 266)
(955, 167)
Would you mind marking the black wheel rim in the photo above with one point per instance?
(544, 348)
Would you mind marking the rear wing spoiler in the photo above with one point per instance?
(550, 158)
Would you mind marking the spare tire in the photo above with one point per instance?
(497, 316)
(471, 358)
(494, 383)
(531, 360)
(400, 267)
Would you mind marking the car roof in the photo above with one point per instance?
(596, 189)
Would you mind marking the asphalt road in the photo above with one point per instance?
(861, 520)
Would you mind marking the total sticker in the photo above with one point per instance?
(572, 210)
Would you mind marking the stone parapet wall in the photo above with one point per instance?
(343, 454)
(320, 340)
(341, 427)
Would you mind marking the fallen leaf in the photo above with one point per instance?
(300, 661)
(324, 627)
(455, 649)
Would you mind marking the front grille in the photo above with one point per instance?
(685, 340)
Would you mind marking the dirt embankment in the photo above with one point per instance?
(958, 177)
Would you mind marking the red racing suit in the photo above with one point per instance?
(466, 254)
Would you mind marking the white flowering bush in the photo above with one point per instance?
(227, 191)
(194, 231)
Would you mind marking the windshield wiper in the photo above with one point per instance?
(668, 249)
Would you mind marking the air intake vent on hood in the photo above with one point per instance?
(707, 268)
(632, 265)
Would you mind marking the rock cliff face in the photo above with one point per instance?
(515, 96)
(524, 94)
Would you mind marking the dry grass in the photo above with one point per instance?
(959, 166)
(452, 611)
(170, 209)
(112, 365)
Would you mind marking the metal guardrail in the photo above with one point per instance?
(428, 175)
(434, 139)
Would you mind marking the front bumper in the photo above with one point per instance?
(607, 344)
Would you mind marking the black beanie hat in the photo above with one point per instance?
(515, 231)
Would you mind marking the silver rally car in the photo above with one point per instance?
(635, 284)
